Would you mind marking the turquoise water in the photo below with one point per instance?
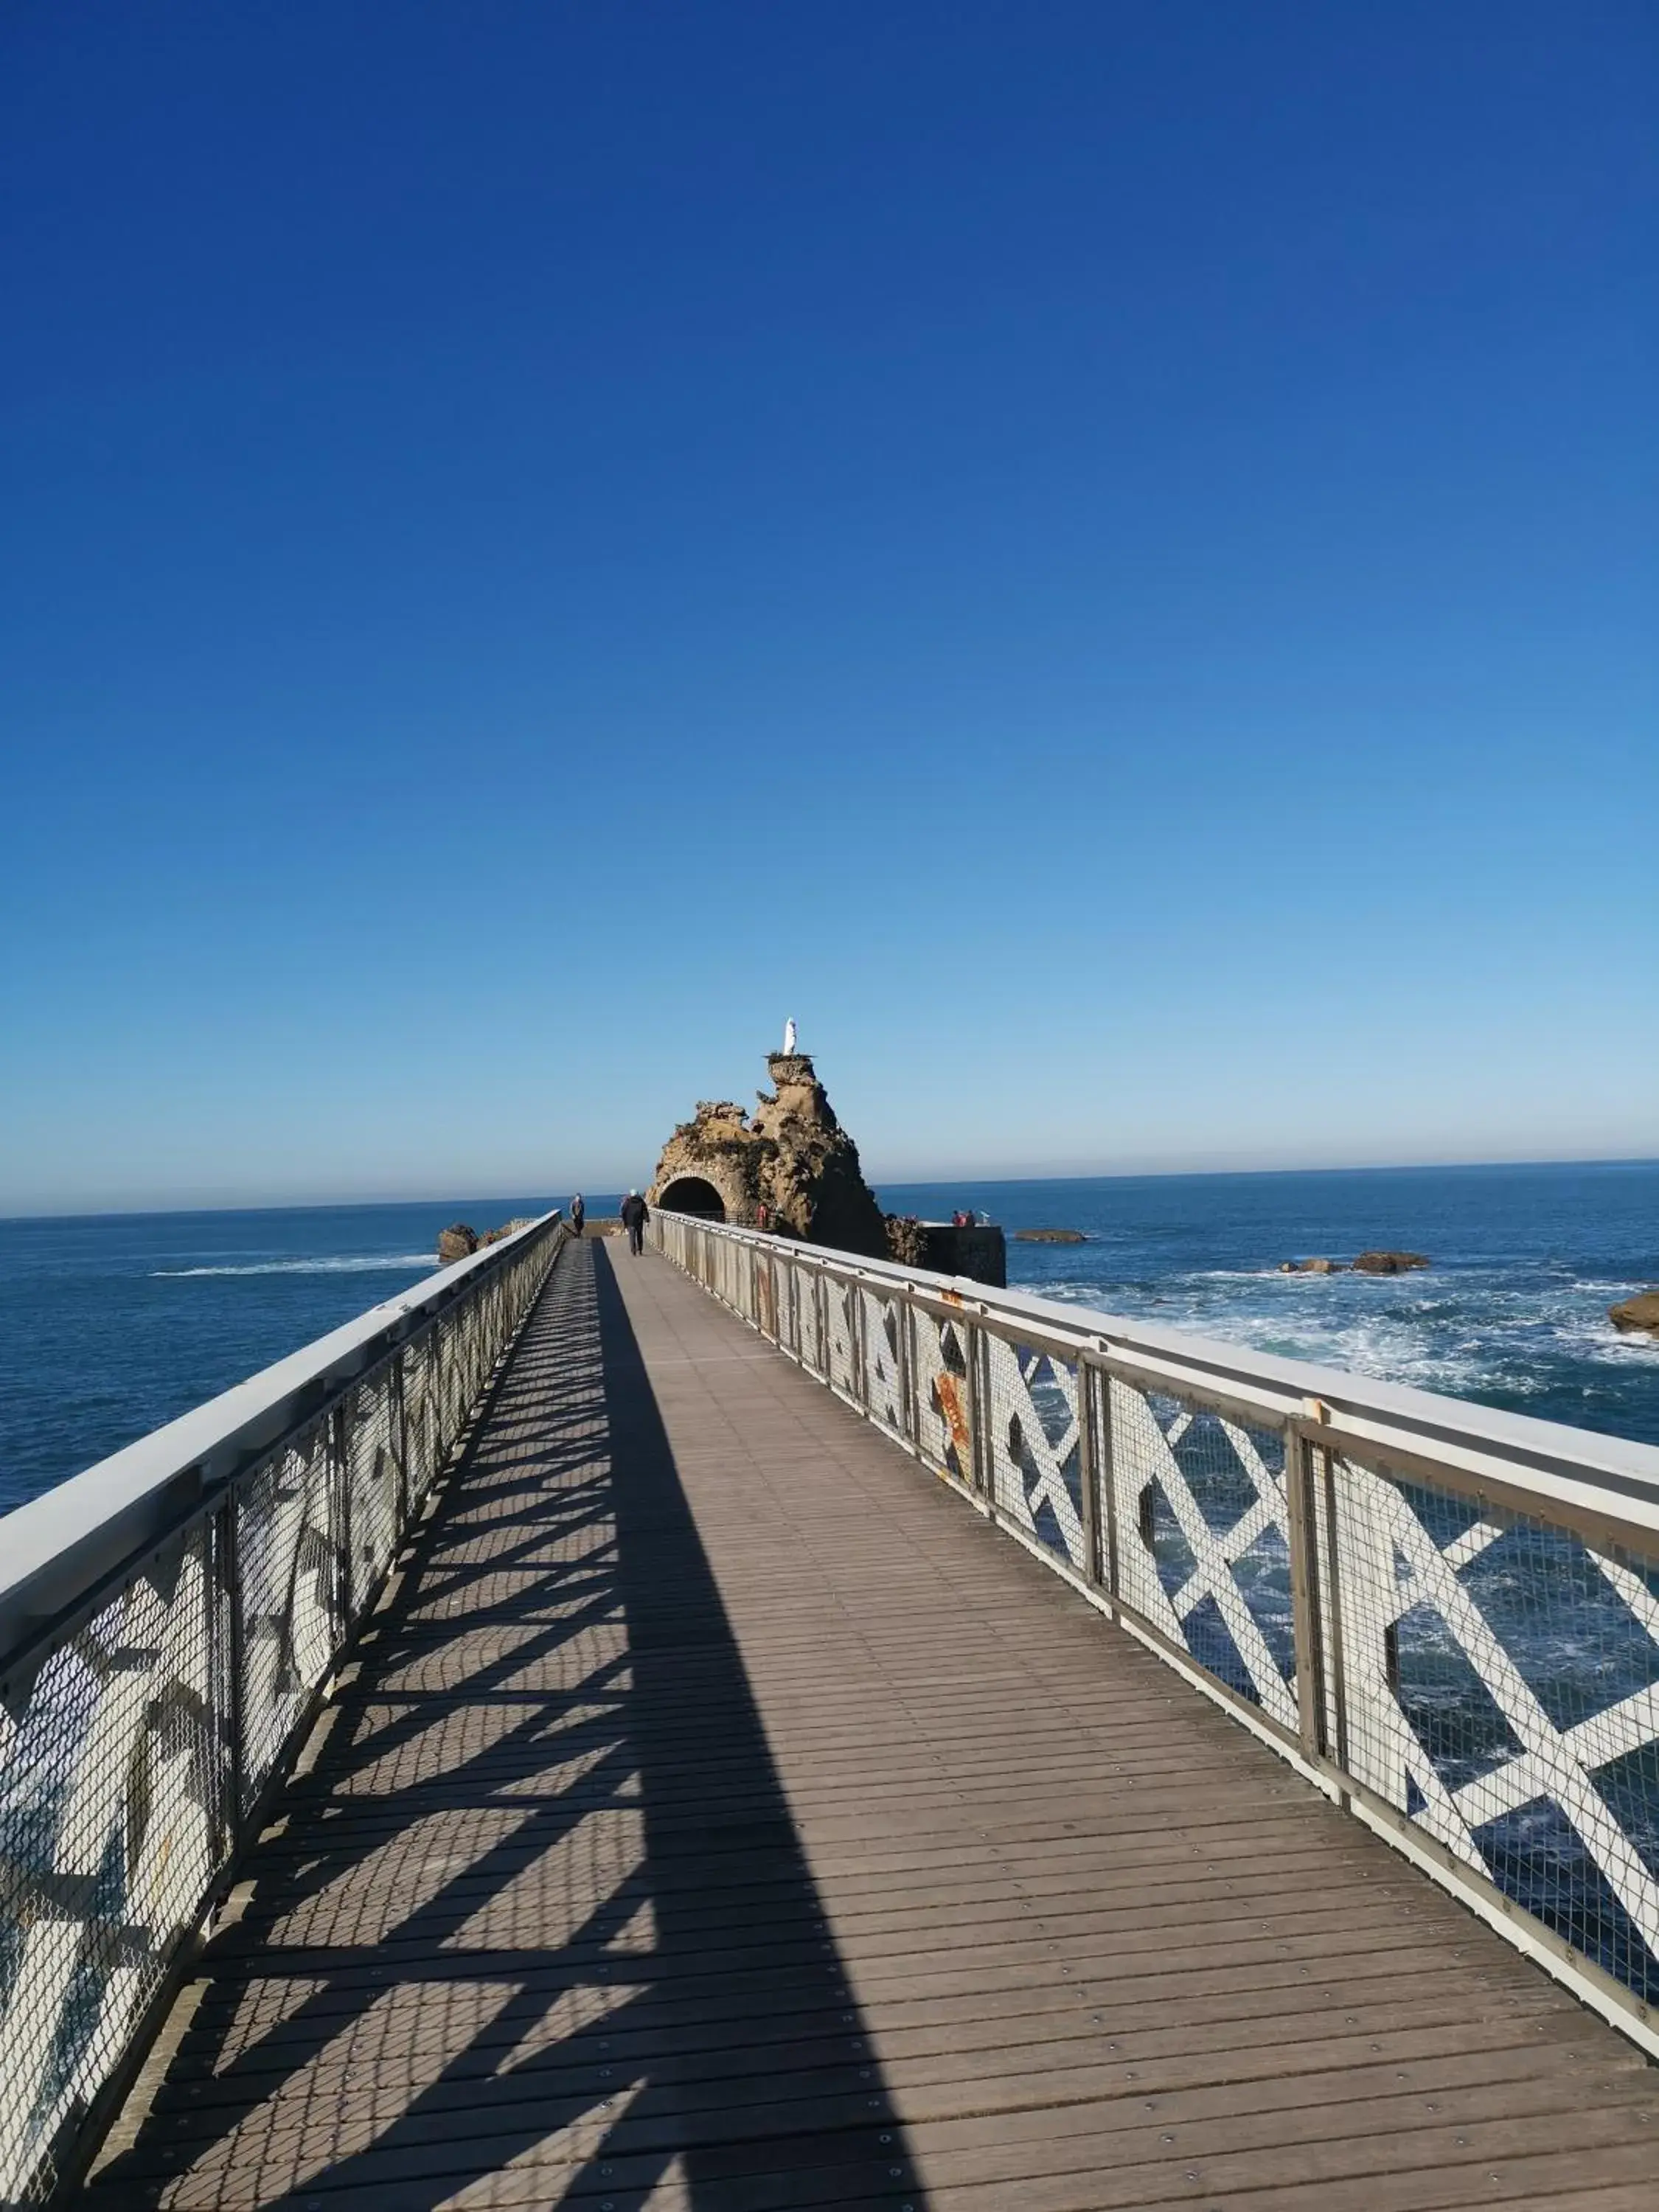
(111, 1325)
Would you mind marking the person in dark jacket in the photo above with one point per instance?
(578, 1214)
(635, 1217)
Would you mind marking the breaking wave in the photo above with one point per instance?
(1473, 1334)
(394, 1263)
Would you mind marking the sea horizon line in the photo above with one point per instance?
(965, 1179)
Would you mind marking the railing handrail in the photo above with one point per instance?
(56, 1548)
(1582, 1468)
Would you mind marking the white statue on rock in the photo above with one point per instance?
(789, 1034)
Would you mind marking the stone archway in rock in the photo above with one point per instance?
(692, 1194)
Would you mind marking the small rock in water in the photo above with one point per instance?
(1637, 1316)
(1312, 1266)
(1049, 1237)
(1389, 1263)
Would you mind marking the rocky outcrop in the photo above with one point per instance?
(1049, 1237)
(974, 1249)
(460, 1240)
(791, 1168)
(507, 1229)
(1637, 1316)
(907, 1240)
(1368, 1263)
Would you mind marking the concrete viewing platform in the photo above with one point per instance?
(718, 1813)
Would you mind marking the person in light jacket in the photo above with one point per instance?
(635, 1216)
(578, 1214)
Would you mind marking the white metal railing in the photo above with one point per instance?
(168, 1622)
(1446, 1616)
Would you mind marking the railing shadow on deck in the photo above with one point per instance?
(600, 1868)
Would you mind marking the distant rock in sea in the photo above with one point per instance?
(1368, 1263)
(1049, 1237)
(1637, 1316)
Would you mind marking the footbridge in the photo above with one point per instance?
(744, 1728)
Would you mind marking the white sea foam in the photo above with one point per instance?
(1475, 1331)
(391, 1263)
(1600, 1340)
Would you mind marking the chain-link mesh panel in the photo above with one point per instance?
(1501, 1684)
(882, 1324)
(841, 1312)
(288, 1589)
(1034, 1448)
(111, 1822)
(763, 1311)
(459, 1334)
(808, 1347)
(373, 1478)
(943, 1395)
(787, 1287)
(1204, 1540)
(419, 1367)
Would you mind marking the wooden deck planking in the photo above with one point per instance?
(721, 1815)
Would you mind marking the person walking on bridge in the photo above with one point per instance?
(578, 1214)
(635, 1217)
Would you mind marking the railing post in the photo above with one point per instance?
(1106, 1476)
(437, 1366)
(231, 1720)
(1087, 1479)
(1336, 1734)
(340, 1484)
(909, 1412)
(400, 1406)
(980, 1473)
(1304, 1593)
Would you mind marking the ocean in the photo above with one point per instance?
(1511, 1311)
(111, 1325)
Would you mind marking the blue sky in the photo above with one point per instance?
(1102, 557)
